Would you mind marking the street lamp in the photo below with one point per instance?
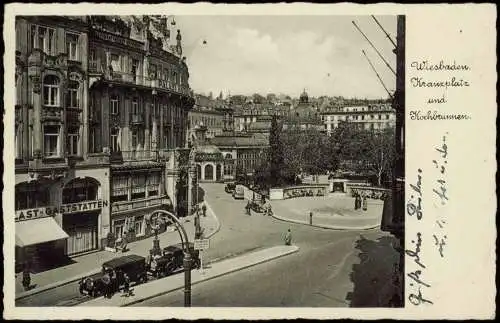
(163, 216)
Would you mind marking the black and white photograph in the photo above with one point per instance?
(209, 161)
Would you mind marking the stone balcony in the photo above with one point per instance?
(134, 205)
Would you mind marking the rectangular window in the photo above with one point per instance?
(116, 63)
(153, 183)
(43, 38)
(119, 190)
(135, 107)
(72, 141)
(72, 46)
(51, 141)
(73, 98)
(138, 187)
(115, 140)
(92, 140)
(135, 138)
(114, 103)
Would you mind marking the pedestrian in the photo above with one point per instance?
(126, 285)
(288, 238)
(26, 278)
(248, 207)
(106, 279)
(310, 218)
(365, 203)
(204, 209)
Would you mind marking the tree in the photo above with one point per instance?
(257, 98)
(276, 159)
(381, 153)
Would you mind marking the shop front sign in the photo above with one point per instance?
(45, 211)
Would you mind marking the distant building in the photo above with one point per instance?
(242, 151)
(369, 117)
(304, 115)
(248, 114)
(214, 114)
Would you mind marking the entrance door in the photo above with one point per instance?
(82, 231)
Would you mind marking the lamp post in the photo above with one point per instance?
(161, 215)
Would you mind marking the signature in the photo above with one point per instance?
(416, 253)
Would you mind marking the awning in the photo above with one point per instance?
(37, 231)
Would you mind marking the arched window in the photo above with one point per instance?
(73, 98)
(51, 91)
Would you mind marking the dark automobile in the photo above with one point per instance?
(112, 275)
(230, 187)
(256, 207)
(177, 253)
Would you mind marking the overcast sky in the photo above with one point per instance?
(285, 54)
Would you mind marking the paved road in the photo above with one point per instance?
(326, 272)
(324, 261)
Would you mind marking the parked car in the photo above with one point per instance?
(230, 187)
(256, 207)
(177, 253)
(239, 193)
(132, 265)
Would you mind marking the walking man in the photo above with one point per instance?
(126, 285)
(288, 238)
(310, 218)
(365, 203)
(204, 209)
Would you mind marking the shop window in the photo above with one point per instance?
(115, 104)
(72, 46)
(119, 189)
(138, 187)
(119, 228)
(43, 38)
(30, 196)
(139, 225)
(51, 91)
(51, 141)
(80, 190)
(73, 140)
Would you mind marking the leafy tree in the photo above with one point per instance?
(276, 158)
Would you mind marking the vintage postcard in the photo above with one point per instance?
(256, 161)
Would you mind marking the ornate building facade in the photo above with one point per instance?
(101, 132)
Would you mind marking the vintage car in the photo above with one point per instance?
(230, 187)
(239, 193)
(132, 265)
(256, 207)
(177, 253)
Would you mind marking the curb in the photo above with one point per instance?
(324, 226)
(45, 288)
(294, 250)
(217, 229)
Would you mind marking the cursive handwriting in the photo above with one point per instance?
(440, 243)
(411, 207)
(418, 299)
(415, 275)
(435, 115)
(441, 66)
(416, 253)
(441, 164)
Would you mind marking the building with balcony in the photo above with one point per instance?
(101, 133)
(253, 117)
(369, 116)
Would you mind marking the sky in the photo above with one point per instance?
(287, 54)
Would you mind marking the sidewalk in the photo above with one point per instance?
(335, 213)
(90, 263)
(166, 285)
